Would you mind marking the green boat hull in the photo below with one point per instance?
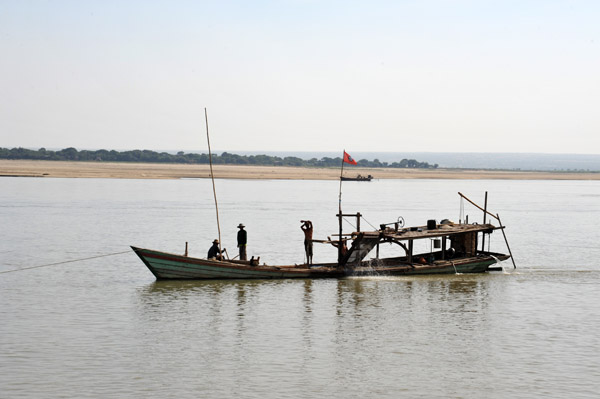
(170, 266)
(166, 266)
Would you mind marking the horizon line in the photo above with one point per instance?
(304, 151)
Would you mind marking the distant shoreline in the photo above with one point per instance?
(125, 170)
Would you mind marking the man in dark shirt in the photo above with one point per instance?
(242, 239)
(214, 252)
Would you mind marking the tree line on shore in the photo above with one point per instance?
(72, 154)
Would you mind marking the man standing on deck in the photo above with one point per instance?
(242, 239)
(307, 228)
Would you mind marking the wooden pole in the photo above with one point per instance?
(506, 241)
(484, 220)
(497, 217)
(212, 176)
(477, 206)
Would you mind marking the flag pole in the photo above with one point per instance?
(340, 212)
(341, 173)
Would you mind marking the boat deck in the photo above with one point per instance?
(421, 232)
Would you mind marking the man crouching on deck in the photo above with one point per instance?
(307, 228)
(214, 252)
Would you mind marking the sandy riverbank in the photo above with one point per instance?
(24, 168)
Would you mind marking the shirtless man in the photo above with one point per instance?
(307, 228)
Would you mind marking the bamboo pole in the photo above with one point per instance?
(484, 220)
(506, 241)
(497, 217)
(477, 206)
(212, 176)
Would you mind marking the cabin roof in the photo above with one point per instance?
(420, 232)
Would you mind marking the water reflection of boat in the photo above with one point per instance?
(177, 287)
(456, 251)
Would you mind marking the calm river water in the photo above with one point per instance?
(103, 327)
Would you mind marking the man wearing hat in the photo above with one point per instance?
(242, 239)
(214, 252)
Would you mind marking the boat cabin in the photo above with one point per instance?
(448, 241)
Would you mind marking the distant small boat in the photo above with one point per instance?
(357, 178)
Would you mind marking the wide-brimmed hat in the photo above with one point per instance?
(215, 241)
(241, 225)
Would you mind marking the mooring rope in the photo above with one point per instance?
(67, 261)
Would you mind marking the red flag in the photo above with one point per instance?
(349, 159)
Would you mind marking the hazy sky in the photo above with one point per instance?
(485, 76)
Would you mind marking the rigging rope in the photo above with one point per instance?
(362, 217)
(350, 223)
(67, 261)
(373, 227)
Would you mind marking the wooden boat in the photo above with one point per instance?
(456, 251)
(170, 266)
(357, 178)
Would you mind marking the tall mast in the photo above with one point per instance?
(212, 176)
